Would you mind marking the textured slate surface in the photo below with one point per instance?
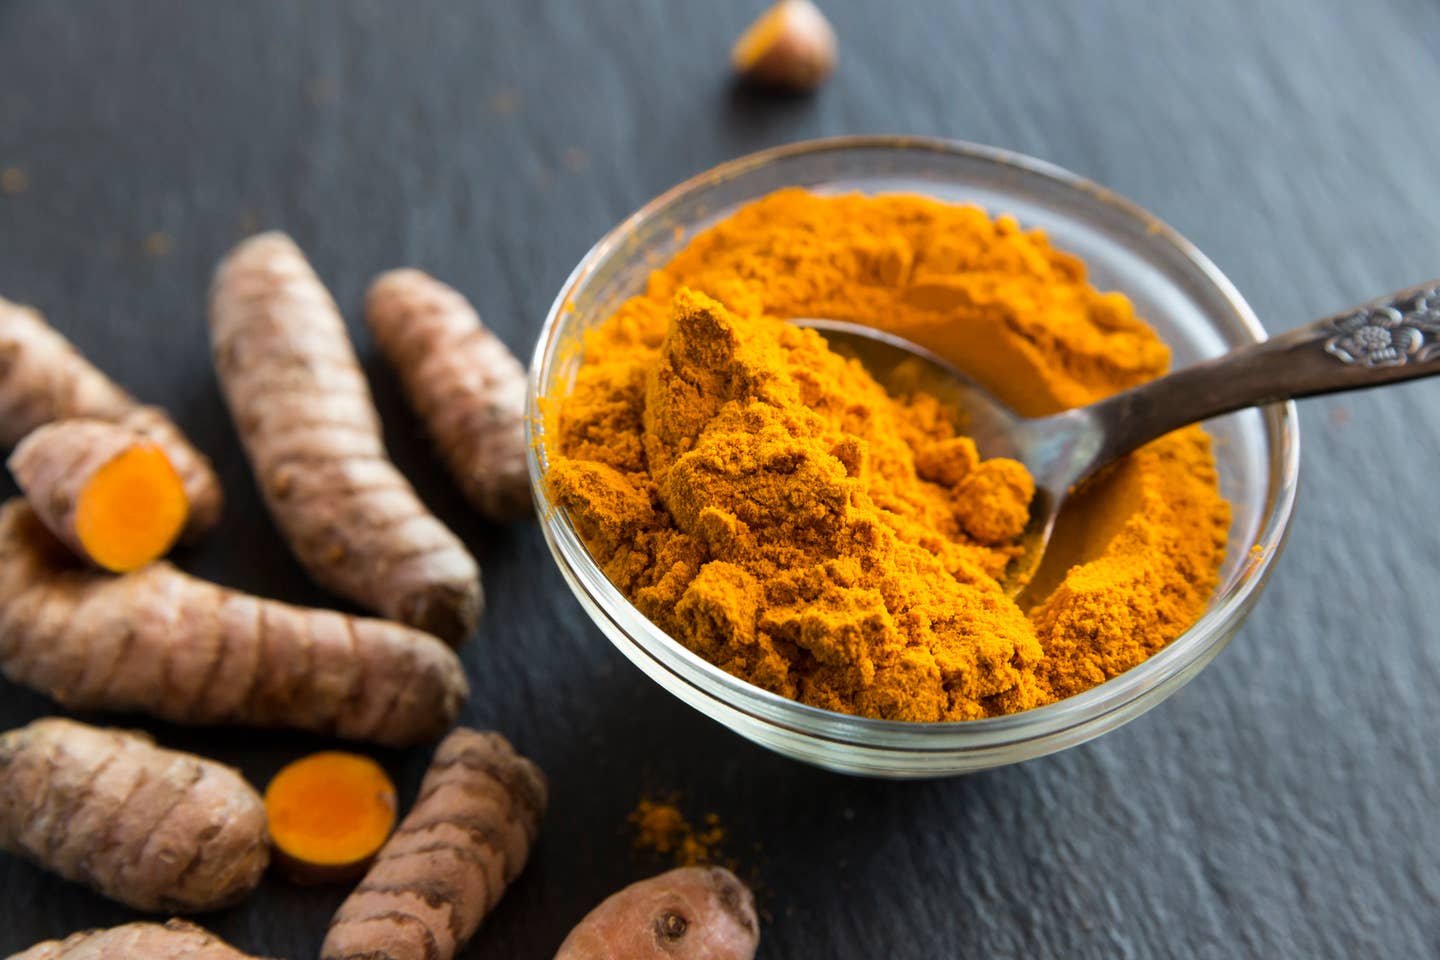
(1282, 805)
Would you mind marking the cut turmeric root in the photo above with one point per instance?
(463, 383)
(175, 940)
(305, 415)
(463, 843)
(160, 642)
(154, 829)
(43, 378)
(329, 815)
(108, 493)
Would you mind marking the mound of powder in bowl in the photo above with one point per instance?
(766, 503)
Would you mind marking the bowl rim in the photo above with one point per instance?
(1196, 645)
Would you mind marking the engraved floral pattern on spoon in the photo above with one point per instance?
(1400, 332)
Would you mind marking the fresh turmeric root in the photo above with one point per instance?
(108, 493)
(154, 829)
(161, 642)
(175, 940)
(465, 840)
(329, 815)
(692, 913)
(462, 381)
(309, 426)
(43, 378)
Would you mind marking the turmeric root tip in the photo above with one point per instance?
(154, 829)
(791, 47)
(107, 492)
(175, 940)
(463, 843)
(693, 913)
(329, 814)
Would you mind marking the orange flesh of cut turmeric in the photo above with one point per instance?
(132, 510)
(329, 814)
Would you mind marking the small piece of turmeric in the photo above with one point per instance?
(43, 378)
(790, 47)
(107, 492)
(329, 814)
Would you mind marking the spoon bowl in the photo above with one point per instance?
(1387, 340)
(899, 365)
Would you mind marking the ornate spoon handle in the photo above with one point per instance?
(1387, 340)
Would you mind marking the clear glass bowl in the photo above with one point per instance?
(1174, 287)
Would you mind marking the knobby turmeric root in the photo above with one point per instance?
(43, 378)
(463, 383)
(693, 913)
(175, 940)
(329, 815)
(107, 492)
(161, 642)
(154, 829)
(304, 412)
(465, 840)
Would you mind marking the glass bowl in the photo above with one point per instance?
(1175, 288)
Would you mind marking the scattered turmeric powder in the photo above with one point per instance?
(768, 505)
(661, 827)
(14, 181)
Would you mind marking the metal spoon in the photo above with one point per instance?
(1394, 338)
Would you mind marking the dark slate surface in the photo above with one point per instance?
(1282, 805)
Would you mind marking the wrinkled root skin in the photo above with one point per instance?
(157, 830)
(43, 378)
(463, 383)
(693, 913)
(169, 645)
(303, 409)
(465, 840)
(175, 940)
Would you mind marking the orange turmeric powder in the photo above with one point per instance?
(660, 827)
(766, 503)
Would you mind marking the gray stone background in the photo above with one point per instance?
(1284, 804)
